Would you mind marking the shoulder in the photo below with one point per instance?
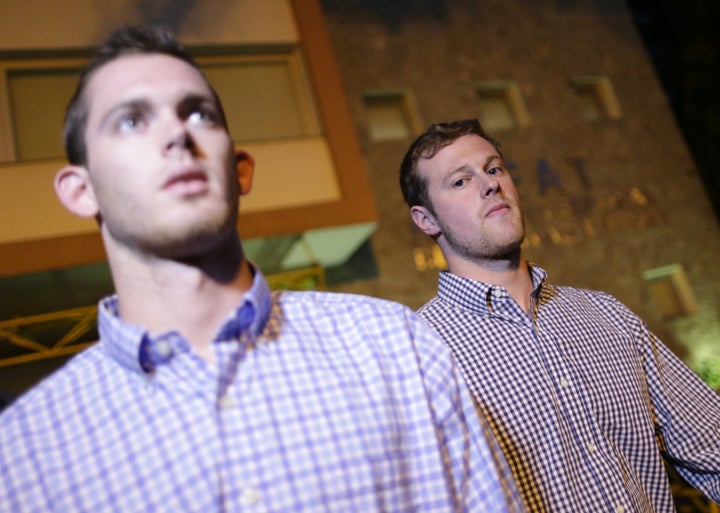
(340, 305)
(443, 314)
(599, 305)
(340, 316)
(77, 381)
(597, 298)
(433, 308)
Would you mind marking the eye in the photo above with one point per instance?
(131, 121)
(203, 116)
(494, 171)
(199, 111)
(459, 183)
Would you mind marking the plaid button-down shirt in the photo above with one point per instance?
(581, 396)
(317, 402)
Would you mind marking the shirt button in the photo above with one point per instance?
(564, 383)
(250, 496)
(163, 348)
(619, 508)
(498, 292)
(226, 402)
(591, 447)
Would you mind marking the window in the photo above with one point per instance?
(501, 106)
(670, 291)
(597, 98)
(265, 96)
(391, 114)
(33, 96)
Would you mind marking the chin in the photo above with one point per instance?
(192, 241)
(508, 249)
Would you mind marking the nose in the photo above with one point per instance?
(177, 136)
(490, 186)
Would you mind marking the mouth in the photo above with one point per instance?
(188, 182)
(497, 210)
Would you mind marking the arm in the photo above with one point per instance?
(22, 483)
(475, 465)
(686, 412)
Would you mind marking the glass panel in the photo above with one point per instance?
(386, 118)
(264, 98)
(590, 107)
(38, 99)
(597, 97)
(495, 112)
(259, 99)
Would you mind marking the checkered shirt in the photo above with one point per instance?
(583, 399)
(318, 402)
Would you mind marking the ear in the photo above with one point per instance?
(425, 220)
(73, 188)
(245, 166)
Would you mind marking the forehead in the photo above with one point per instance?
(153, 76)
(468, 150)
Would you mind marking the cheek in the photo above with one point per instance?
(108, 160)
(454, 220)
(511, 190)
(457, 211)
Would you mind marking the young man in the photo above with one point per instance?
(206, 392)
(584, 400)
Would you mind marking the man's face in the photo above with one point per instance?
(160, 161)
(477, 214)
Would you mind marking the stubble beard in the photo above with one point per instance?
(175, 242)
(494, 244)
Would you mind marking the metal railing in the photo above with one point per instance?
(50, 335)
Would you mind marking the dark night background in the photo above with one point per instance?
(681, 37)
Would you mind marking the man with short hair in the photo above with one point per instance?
(583, 398)
(207, 392)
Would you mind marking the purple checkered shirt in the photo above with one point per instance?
(583, 399)
(318, 402)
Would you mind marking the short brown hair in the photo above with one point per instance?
(426, 146)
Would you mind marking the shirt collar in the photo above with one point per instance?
(132, 346)
(480, 297)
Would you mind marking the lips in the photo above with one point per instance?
(187, 182)
(497, 209)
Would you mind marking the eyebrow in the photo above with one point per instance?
(132, 104)
(467, 167)
(490, 160)
(191, 100)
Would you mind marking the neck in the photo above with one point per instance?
(510, 272)
(192, 296)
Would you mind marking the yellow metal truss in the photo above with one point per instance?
(80, 321)
(71, 327)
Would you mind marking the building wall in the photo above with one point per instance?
(618, 197)
(605, 201)
(269, 61)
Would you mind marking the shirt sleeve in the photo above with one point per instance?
(22, 485)
(685, 409)
(476, 467)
